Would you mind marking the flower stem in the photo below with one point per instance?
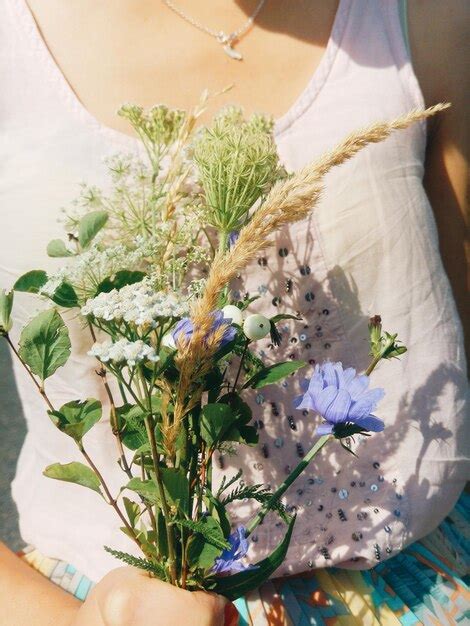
(40, 387)
(373, 365)
(113, 414)
(286, 484)
(111, 500)
(223, 241)
(242, 358)
(161, 493)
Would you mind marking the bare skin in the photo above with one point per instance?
(139, 51)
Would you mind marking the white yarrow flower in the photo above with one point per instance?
(123, 351)
(138, 304)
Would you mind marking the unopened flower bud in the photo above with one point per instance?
(168, 341)
(233, 313)
(256, 326)
(376, 320)
(6, 304)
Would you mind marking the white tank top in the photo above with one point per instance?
(371, 247)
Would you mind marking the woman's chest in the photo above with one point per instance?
(117, 53)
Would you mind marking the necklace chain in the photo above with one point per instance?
(226, 39)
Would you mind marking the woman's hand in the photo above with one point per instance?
(129, 597)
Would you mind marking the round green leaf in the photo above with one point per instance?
(76, 418)
(45, 344)
(90, 225)
(74, 473)
(57, 248)
(31, 282)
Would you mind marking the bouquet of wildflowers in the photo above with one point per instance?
(147, 267)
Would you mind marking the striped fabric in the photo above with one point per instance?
(427, 583)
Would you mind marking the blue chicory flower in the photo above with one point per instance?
(341, 397)
(232, 238)
(185, 327)
(230, 559)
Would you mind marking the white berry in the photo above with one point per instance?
(233, 313)
(256, 326)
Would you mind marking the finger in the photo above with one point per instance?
(212, 606)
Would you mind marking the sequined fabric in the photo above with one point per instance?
(339, 498)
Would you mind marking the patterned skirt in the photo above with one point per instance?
(427, 583)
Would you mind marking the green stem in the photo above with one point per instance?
(123, 392)
(286, 484)
(242, 358)
(40, 387)
(113, 414)
(223, 241)
(161, 493)
(373, 365)
(110, 499)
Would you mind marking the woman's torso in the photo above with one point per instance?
(371, 247)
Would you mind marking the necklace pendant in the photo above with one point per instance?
(227, 41)
(232, 53)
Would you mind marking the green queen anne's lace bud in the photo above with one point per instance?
(238, 163)
(6, 305)
(159, 125)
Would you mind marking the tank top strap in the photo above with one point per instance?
(376, 36)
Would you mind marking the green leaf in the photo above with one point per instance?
(176, 487)
(212, 534)
(57, 248)
(261, 494)
(74, 473)
(90, 225)
(132, 510)
(144, 564)
(133, 439)
(216, 421)
(120, 279)
(240, 409)
(284, 316)
(77, 417)
(65, 296)
(273, 374)
(45, 344)
(145, 488)
(246, 434)
(31, 282)
(237, 429)
(225, 484)
(237, 585)
(201, 553)
(131, 425)
(218, 511)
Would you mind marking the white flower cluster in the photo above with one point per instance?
(123, 351)
(94, 265)
(138, 304)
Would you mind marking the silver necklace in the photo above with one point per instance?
(226, 40)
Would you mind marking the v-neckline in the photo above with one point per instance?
(32, 32)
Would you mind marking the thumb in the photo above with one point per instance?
(231, 615)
